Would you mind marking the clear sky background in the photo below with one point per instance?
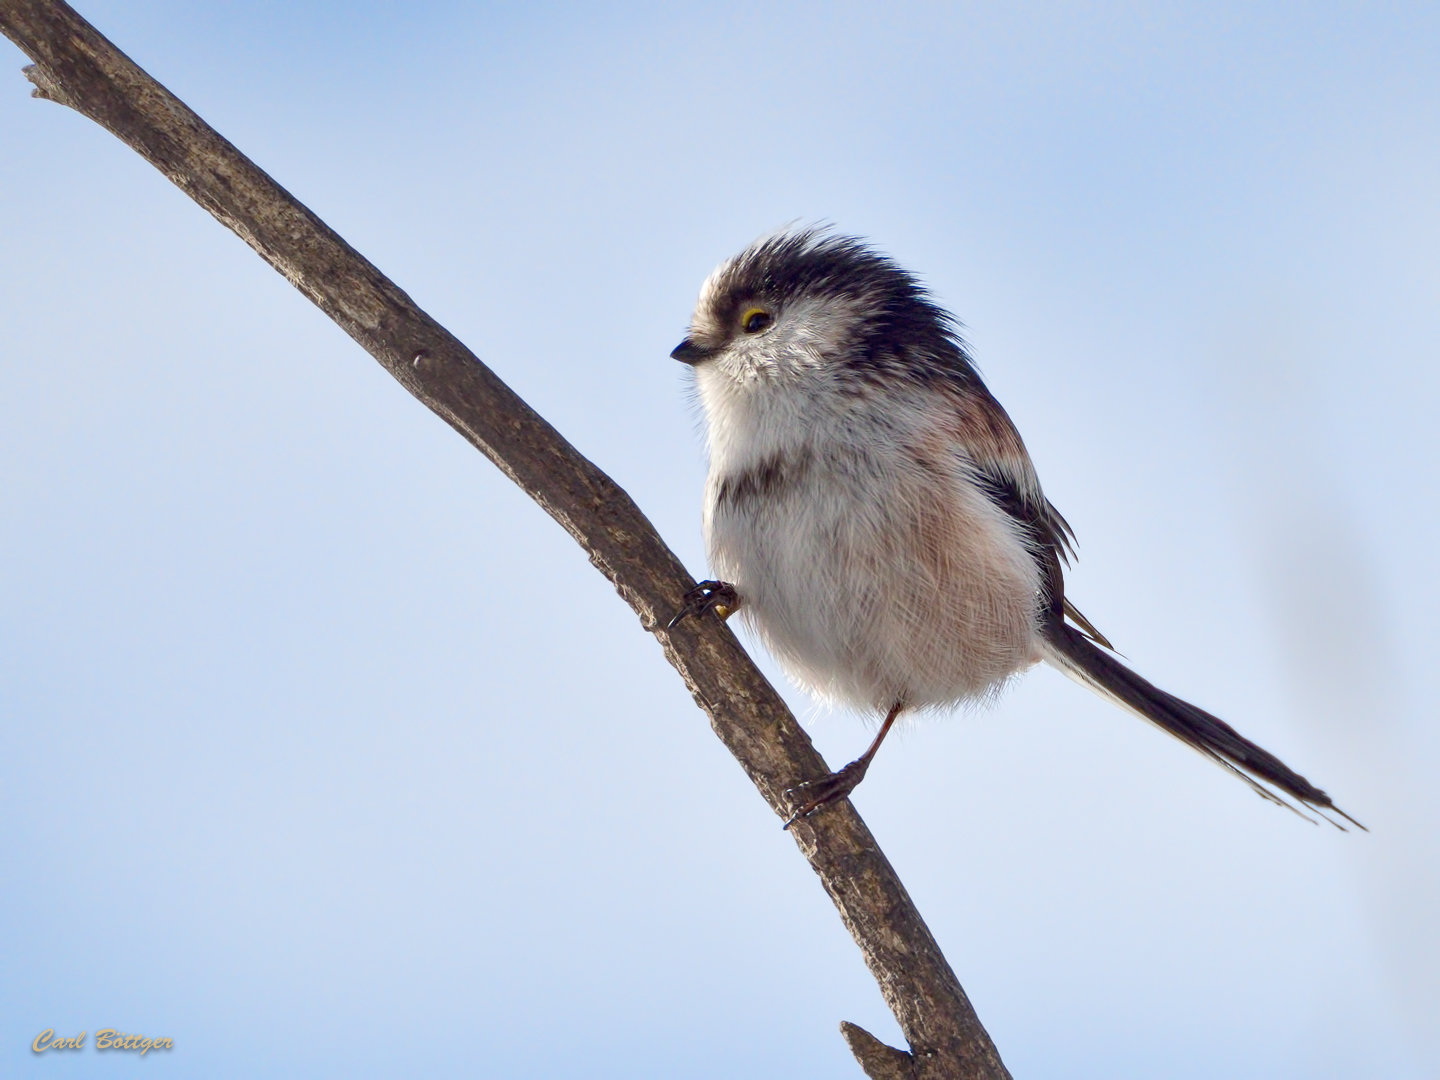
(327, 753)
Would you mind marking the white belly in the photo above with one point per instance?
(875, 581)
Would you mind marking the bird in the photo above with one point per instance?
(872, 515)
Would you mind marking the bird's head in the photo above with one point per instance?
(810, 306)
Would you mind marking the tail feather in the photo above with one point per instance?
(1070, 651)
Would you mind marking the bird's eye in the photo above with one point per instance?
(755, 320)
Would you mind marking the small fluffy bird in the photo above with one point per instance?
(872, 514)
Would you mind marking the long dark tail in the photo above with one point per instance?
(1070, 651)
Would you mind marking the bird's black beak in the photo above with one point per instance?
(687, 352)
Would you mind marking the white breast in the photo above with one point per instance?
(865, 557)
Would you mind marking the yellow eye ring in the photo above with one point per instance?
(755, 319)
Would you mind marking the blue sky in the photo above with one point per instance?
(327, 753)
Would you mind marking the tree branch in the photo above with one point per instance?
(76, 66)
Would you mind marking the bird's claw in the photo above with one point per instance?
(717, 596)
(826, 790)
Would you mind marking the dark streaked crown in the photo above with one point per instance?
(900, 330)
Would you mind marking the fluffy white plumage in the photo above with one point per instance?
(871, 564)
(874, 513)
(874, 567)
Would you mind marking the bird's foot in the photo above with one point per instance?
(828, 789)
(717, 596)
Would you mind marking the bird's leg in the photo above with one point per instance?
(838, 785)
(717, 596)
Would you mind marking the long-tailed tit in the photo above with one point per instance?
(872, 511)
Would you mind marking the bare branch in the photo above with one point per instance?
(76, 66)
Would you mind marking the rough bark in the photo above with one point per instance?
(75, 66)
